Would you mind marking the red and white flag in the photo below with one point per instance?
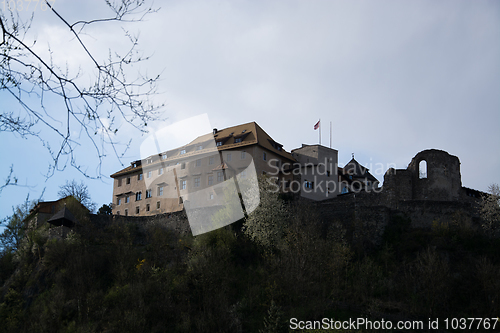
(317, 125)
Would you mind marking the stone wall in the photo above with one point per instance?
(438, 197)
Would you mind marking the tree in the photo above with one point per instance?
(490, 208)
(266, 225)
(105, 210)
(78, 191)
(93, 110)
(15, 227)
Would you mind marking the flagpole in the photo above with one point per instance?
(320, 131)
(330, 134)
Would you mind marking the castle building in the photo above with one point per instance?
(354, 177)
(317, 168)
(165, 182)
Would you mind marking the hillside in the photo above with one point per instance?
(117, 275)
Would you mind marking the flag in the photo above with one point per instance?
(317, 125)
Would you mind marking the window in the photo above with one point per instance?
(183, 184)
(264, 156)
(139, 177)
(160, 171)
(228, 157)
(128, 180)
(150, 173)
(118, 213)
(210, 160)
(237, 140)
(211, 196)
(118, 201)
(197, 182)
(199, 148)
(243, 155)
(198, 162)
(183, 166)
(126, 212)
(422, 169)
(345, 190)
(210, 180)
(149, 160)
(328, 173)
(127, 199)
(147, 207)
(243, 174)
(138, 196)
(157, 205)
(119, 182)
(220, 176)
(308, 184)
(219, 143)
(137, 209)
(160, 191)
(164, 156)
(183, 151)
(148, 194)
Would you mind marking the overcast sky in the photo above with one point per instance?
(393, 78)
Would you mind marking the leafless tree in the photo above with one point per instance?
(79, 191)
(95, 110)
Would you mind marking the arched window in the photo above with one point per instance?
(422, 169)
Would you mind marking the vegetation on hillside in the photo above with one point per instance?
(247, 277)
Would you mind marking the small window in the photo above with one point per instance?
(183, 151)
(228, 157)
(328, 173)
(200, 147)
(139, 177)
(160, 191)
(243, 155)
(237, 140)
(126, 212)
(148, 194)
(149, 160)
(210, 180)
(137, 209)
(157, 205)
(197, 182)
(211, 196)
(150, 173)
(164, 156)
(118, 213)
(183, 166)
(220, 176)
(118, 201)
(210, 160)
(119, 182)
(160, 171)
(243, 174)
(219, 143)
(183, 184)
(128, 181)
(138, 196)
(308, 184)
(422, 169)
(198, 162)
(127, 199)
(264, 156)
(148, 207)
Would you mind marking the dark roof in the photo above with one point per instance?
(357, 170)
(63, 217)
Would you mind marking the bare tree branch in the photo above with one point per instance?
(95, 110)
